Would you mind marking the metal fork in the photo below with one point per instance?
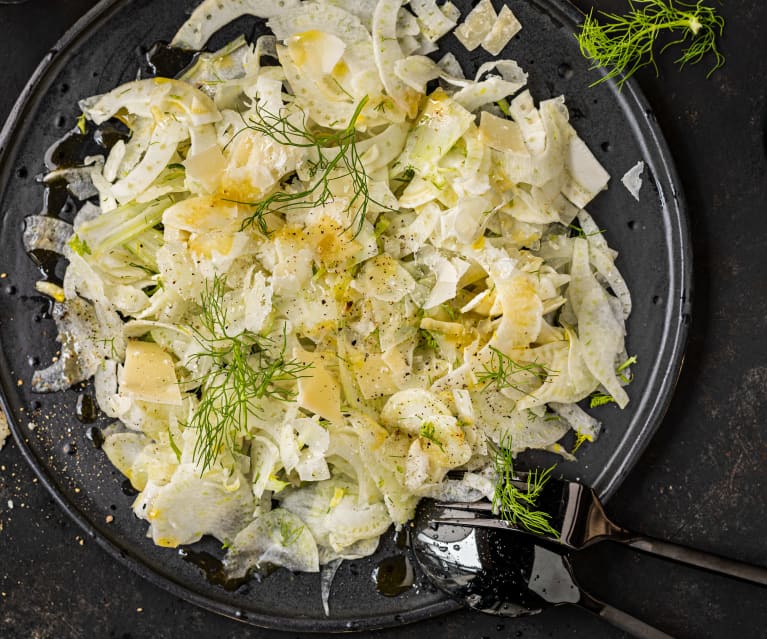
(579, 519)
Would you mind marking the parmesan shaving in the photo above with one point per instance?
(504, 29)
(632, 179)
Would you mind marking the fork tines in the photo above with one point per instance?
(485, 508)
(471, 522)
(470, 506)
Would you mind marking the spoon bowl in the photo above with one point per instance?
(504, 572)
(499, 573)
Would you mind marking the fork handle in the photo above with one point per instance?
(619, 619)
(698, 558)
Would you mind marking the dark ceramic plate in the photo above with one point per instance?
(104, 49)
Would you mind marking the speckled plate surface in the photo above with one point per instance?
(106, 48)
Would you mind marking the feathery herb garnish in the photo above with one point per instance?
(599, 399)
(579, 439)
(289, 534)
(79, 245)
(624, 43)
(244, 367)
(502, 368)
(426, 338)
(626, 379)
(519, 507)
(346, 162)
(428, 432)
(141, 267)
(579, 232)
(173, 446)
(81, 123)
(631, 360)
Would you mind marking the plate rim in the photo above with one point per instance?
(675, 335)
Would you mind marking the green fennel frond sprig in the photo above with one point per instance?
(597, 399)
(501, 370)
(626, 43)
(243, 367)
(289, 533)
(323, 170)
(520, 507)
(428, 432)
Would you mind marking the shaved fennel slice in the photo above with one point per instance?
(333, 513)
(586, 176)
(442, 123)
(77, 178)
(162, 146)
(363, 9)
(126, 452)
(46, 233)
(416, 71)
(211, 15)
(603, 259)
(605, 266)
(327, 574)
(331, 108)
(311, 22)
(497, 416)
(387, 52)
(114, 160)
(530, 123)
(189, 506)
(578, 419)
(599, 331)
(488, 91)
(450, 65)
(277, 538)
(78, 329)
(320, 17)
(145, 97)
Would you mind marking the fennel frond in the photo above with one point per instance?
(244, 367)
(520, 507)
(623, 44)
(343, 161)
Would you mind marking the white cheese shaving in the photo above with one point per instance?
(504, 29)
(149, 374)
(632, 179)
(477, 25)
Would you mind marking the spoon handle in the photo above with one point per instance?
(698, 558)
(619, 619)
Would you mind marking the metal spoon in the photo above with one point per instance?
(505, 573)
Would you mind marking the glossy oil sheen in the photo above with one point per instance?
(651, 237)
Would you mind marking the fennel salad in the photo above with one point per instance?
(324, 269)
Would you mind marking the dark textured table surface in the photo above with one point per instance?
(701, 482)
